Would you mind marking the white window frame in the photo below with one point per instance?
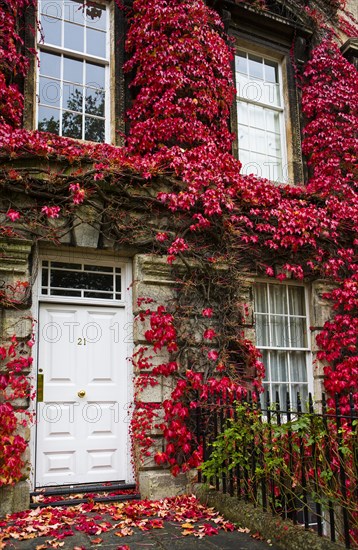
(114, 301)
(307, 349)
(107, 63)
(279, 60)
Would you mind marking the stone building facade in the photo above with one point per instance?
(83, 286)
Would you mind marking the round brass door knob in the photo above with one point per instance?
(81, 393)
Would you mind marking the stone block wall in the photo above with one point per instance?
(152, 279)
(321, 311)
(15, 319)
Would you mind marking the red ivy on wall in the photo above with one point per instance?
(330, 102)
(13, 61)
(313, 227)
(182, 74)
(15, 387)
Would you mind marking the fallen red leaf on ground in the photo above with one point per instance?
(62, 522)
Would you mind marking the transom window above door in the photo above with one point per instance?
(73, 77)
(260, 116)
(81, 281)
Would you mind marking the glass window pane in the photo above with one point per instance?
(50, 64)
(74, 12)
(243, 137)
(82, 280)
(257, 140)
(261, 300)
(64, 292)
(257, 116)
(278, 366)
(95, 75)
(73, 70)
(273, 144)
(73, 97)
(51, 31)
(272, 169)
(264, 398)
(279, 331)
(94, 102)
(72, 125)
(98, 295)
(278, 301)
(252, 91)
(118, 283)
(64, 279)
(302, 390)
(298, 367)
(50, 91)
(96, 16)
(242, 113)
(298, 332)
(51, 8)
(242, 82)
(98, 281)
(96, 43)
(278, 362)
(262, 93)
(74, 37)
(256, 67)
(271, 94)
(269, 167)
(262, 330)
(241, 63)
(271, 71)
(48, 120)
(296, 300)
(265, 360)
(94, 129)
(44, 277)
(272, 121)
(248, 168)
(256, 164)
(279, 394)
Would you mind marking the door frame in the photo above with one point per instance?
(81, 255)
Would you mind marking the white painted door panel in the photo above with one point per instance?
(82, 440)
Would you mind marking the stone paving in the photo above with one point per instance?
(169, 538)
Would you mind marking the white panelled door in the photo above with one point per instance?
(82, 423)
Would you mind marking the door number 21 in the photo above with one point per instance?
(81, 341)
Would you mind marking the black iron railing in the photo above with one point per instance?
(298, 462)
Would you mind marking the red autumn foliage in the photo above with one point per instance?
(179, 124)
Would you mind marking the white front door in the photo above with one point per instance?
(82, 423)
